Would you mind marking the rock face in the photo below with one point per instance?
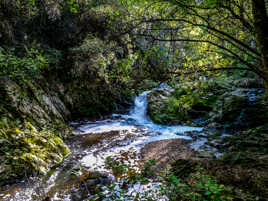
(241, 109)
(81, 87)
(156, 106)
(31, 102)
(235, 108)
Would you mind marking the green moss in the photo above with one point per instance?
(181, 106)
(26, 150)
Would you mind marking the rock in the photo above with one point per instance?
(29, 150)
(33, 102)
(236, 108)
(214, 125)
(249, 178)
(248, 83)
(166, 152)
(230, 106)
(263, 158)
(92, 139)
(182, 106)
(206, 154)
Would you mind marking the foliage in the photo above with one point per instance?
(201, 36)
(108, 65)
(185, 104)
(201, 187)
(30, 65)
(197, 186)
(14, 66)
(25, 150)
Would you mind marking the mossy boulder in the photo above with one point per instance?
(26, 150)
(230, 105)
(209, 104)
(241, 109)
(181, 106)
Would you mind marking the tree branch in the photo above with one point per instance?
(208, 27)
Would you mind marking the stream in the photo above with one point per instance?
(120, 137)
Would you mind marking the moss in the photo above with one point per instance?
(26, 151)
(235, 108)
(181, 106)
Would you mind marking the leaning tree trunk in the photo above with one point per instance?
(261, 30)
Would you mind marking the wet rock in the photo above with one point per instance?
(236, 108)
(77, 183)
(230, 105)
(214, 125)
(181, 106)
(91, 139)
(166, 152)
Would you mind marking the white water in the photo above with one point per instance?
(135, 123)
(137, 118)
(134, 131)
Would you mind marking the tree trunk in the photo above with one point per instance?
(261, 31)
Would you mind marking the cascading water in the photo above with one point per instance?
(133, 131)
(138, 113)
(138, 118)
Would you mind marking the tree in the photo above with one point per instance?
(260, 25)
(228, 35)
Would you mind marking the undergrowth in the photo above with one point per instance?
(147, 185)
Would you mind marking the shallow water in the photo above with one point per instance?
(132, 132)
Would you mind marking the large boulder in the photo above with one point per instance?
(236, 108)
(183, 106)
(229, 106)
(241, 109)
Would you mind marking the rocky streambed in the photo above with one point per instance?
(106, 154)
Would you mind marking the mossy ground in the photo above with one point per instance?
(25, 150)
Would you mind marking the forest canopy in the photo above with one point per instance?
(203, 36)
(176, 37)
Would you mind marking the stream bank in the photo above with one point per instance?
(234, 116)
(49, 95)
(215, 103)
(121, 157)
